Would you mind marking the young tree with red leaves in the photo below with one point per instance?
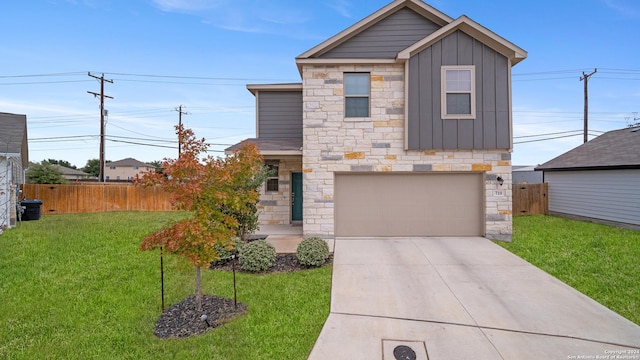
(221, 193)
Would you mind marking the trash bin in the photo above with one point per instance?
(31, 209)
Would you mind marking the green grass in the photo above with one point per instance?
(77, 287)
(602, 262)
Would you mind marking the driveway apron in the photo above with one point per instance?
(460, 298)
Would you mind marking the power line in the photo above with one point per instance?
(44, 75)
(546, 139)
(548, 134)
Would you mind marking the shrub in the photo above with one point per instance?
(312, 252)
(257, 255)
(225, 252)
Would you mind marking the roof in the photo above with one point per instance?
(617, 149)
(129, 162)
(254, 88)
(13, 136)
(271, 146)
(448, 24)
(473, 29)
(69, 171)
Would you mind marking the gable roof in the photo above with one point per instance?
(418, 6)
(13, 136)
(128, 162)
(448, 26)
(617, 149)
(473, 29)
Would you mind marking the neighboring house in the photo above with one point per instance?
(125, 169)
(526, 175)
(401, 126)
(73, 174)
(598, 180)
(14, 159)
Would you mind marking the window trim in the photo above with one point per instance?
(443, 93)
(361, 96)
(276, 177)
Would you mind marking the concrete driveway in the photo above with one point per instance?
(460, 298)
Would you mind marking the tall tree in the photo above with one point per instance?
(216, 191)
(92, 167)
(61, 163)
(44, 173)
(157, 164)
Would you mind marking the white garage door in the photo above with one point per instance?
(443, 204)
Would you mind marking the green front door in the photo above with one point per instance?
(296, 196)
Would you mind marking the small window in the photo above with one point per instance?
(135, 168)
(458, 92)
(112, 167)
(356, 94)
(272, 181)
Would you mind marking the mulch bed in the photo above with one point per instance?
(182, 320)
(282, 264)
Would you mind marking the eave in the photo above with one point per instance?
(254, 88)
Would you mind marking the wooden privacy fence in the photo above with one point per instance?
(85, 198)
(530, 199)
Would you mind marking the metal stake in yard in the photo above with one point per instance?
(235, 297)
(162, 278)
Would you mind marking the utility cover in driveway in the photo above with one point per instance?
(440, 204)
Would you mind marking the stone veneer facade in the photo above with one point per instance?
(333, 143)
(274, 208)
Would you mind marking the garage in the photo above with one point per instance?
(434, 204)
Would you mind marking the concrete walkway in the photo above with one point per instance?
(460, 298)
(285, 238)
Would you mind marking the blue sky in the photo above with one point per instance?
(201, 53)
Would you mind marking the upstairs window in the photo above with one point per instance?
(272, 182)
(356, 94)
(458, 92)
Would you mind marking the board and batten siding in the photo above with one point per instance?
(610, 195)
(279, 114)
(491, 129)
(387, 38)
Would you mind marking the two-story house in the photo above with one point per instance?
(401, 126)
(125, 169)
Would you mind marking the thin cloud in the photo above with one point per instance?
(271, 18)
(187, 6)
(628, 8)
(341, 7)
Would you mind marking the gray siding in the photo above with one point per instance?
(279, 114)
(387, 38)
(491, 129)
(600, 194)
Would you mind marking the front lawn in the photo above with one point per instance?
(77, 287)
(600, 261)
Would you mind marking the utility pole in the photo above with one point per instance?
(585, 78)
(102, 113)
(180, 113)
